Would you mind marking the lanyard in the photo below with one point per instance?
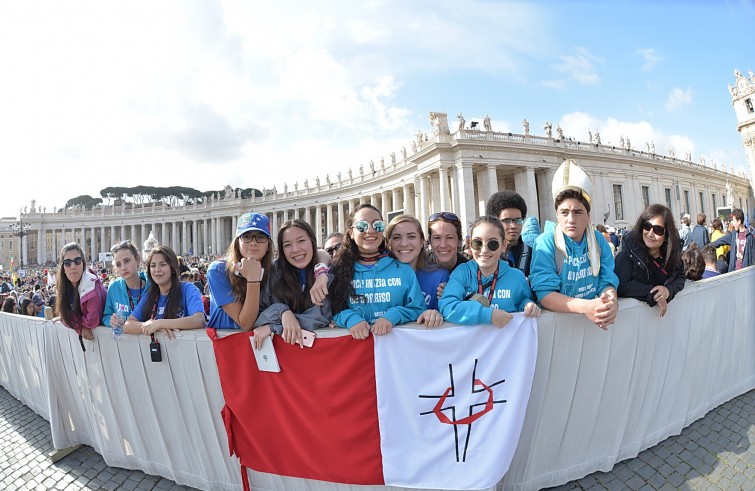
(128, 295)
(481, 287)
(659, 265)
(154, 314)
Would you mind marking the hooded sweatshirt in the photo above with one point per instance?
(118, 298)
(387, 289)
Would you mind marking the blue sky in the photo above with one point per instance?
(252, 94)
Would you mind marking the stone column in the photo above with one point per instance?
(408, 201)
(385, 203)
(423, 209)
(318, 225)
(525, 185)
(443, 189)
(352, 206)
(396, 200)
(274, 224)
(103, 236)
(342, 207)
(41, 249)
(328, 221)
(492, 178)
(465, 190)
(24, 246)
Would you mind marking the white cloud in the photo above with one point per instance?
(651, 57)
(554, 84)
(678, 98)
(580, 67)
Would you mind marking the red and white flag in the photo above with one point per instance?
(417, 408)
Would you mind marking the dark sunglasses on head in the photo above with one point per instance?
(121, 245)
(492, 244)
(509, 221)
(332, 249)
(364, 225)
(657, 229)
(444, 215)
(77, 260)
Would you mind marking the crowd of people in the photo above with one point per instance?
(376, 275)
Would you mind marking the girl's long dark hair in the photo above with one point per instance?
(175, 298)
(65, 289)
(671, 248)
(233, 256)
(346, 257)
(288, 287)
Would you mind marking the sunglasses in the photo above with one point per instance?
(492, 244)
(77, 261)
(444, 215)
(121, 245)
(657, 229)
(332, 250)
(363, 226)
(248, 237)
(512, 221)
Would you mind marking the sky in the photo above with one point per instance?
(254, 94)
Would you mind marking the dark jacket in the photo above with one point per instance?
(699, 235)
(522, 257)
(730, 239)
(634, 275)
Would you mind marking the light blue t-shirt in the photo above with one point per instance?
(191, 303)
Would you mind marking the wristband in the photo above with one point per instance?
(257, 281)
(320, 268)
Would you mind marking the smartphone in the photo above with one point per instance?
(267, 361)
(307, 338)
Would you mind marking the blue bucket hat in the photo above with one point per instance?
(253, 222)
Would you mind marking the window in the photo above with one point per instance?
(686, 201)
(667, 192)
(748, 105)
(702, 204)
(723, 197)
(646, 196)
(740, 203)
(714, 202)
(617, 202)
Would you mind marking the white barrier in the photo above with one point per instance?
(598, 397)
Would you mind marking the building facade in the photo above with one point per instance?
(444, 170)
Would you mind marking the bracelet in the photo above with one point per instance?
(320, 268)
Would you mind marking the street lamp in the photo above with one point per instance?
(20, 230)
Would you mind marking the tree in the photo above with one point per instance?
(83, 201)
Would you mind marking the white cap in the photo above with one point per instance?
(571, 176)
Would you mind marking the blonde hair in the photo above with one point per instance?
(422, 258)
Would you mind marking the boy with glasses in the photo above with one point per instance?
(509, 207)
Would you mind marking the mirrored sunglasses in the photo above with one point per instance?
(444, 215)
(120, 245)
(492, 244)
(364, 225)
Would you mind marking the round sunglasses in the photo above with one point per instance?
(492, 244)
(363, 226)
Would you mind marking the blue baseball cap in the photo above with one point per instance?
(253, 222)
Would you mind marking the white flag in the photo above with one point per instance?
(451, 402)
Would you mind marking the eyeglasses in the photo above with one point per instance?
(332, 249)
(444, 215)
(657, 229)
(77, 260)
(126, 244)
(512, 221)
(492, 244)
(249, 237)
(363, 226)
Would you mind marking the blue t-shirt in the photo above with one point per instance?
(221, 294)
(428, 283)
(191, 303)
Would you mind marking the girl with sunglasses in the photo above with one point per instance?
(486, 290)
(407, 243)
(80, 294)
(236, 281)
(444, 232)
(169, 302)
(649, 261)
(285, 305)
(125, 293)
(371, 291)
